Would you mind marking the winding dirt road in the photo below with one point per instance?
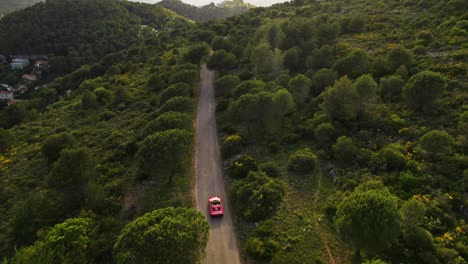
(222, 247)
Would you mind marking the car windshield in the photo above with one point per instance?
(215, 202)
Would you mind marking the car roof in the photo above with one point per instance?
(215, 198)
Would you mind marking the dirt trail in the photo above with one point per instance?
(222, 247)
(318, 173)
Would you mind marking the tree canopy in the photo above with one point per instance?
(169, 235)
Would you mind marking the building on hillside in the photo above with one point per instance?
(6, 86)
(29, 77)
(41, 65)
(6, 95)
(19, 64)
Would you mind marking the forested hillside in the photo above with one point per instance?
(82, 31)
(343, 126)
(7, 6)
(89, 159)
(208, 12)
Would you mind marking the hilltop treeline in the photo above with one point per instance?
(205, 13)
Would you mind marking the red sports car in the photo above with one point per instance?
(215, 205)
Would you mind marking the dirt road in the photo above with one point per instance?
(222, 247)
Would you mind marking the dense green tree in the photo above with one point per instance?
(293, 59)
(354, 64)
(327, 33)
(259, 110)
(368, 219)
(399, 56)
(165, 149)
(187, 76)
(121, 95)
(38, 210)
(344, 150)
(103, 96)
(168, 235)
(325, 133)
(177, 104)
(166, 121)
(412, 213)
(266, 62)
(225, 85)
(379, 67)
(197, 52)
(257, 196)
(67, 242)
(393, 156)
(221, 43)
(263, 244)
(391, 87)
(322, 79)
(342, 101)
(54, 144)
(15, 114)
(320, 58)
(72, 174)
(275, 36)
(178, 89)
(365, 86)
(300, 88)
(88, 100)
(156, 82)
(249, 86)
(222, 61)
(423, 89)
(6, 139)
(353, 24)
(437, 143)
(242, 166)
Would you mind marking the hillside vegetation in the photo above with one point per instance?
(343, 125)
(359, 107)
(208, 12)
(82, 31)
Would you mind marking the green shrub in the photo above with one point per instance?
(344, 150)
(437, 143)
(166, 121)
(325, 133)
(242, 166)
(177, 104)
(107, 115)
(54, 144)
(393, 157)
(257, 196)
(178, 89)
(302, 160)
(233, 144)
(6, 139)
(103, 95)
(424, 89)
(226, 84)
(271, 168)
(391, 87)
(261, 248)
(185, 76)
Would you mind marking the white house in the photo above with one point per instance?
(19, 64)
(6, 95)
